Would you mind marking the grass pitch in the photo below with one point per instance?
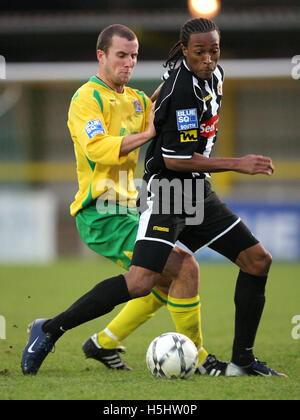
(29, 292)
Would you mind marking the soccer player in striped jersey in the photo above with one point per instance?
(186, 122)
(108, 122)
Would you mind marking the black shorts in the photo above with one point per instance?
(221, 230)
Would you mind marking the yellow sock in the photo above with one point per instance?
(187, 318)
(134, 314)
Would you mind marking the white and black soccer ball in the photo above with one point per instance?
(172, 356)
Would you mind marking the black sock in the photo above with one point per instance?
(98, 301)
(249, 302)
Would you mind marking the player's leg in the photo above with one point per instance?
(178, 288)
(102, 299)
(254, 264)
(224, 232)
(254, 261)
(181, 275)
(135, 313)
(183, 297)
(114, 237)
(97, 302)
(180, 265)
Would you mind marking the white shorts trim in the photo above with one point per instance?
(157, 240)
(145, 216)
(221, 234)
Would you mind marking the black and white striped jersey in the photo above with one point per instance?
(186, 118)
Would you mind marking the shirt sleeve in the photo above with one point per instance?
(87, 120)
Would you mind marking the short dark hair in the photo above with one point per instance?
(192, 26)
(105, 37)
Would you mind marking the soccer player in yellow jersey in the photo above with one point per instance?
(108, 122)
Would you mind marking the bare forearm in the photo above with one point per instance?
(133, 141)
(250, 164)
(200, 163)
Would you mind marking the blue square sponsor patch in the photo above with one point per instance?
(187, 119)
(93, 128)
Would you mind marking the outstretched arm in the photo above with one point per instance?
(250, 164)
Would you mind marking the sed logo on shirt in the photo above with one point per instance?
(209, 127)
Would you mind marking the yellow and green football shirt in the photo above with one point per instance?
(99, 118)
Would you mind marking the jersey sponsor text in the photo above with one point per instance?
(209, 128)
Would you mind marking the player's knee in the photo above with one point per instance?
(267, 261)
(261, 263)
(140, 282)
(255, 260)
(187, 262)
(143, 288)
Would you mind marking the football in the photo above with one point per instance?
(172, 356)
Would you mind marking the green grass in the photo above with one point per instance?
(29, 292)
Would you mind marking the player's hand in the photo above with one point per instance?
(151, 128)
(256, 164)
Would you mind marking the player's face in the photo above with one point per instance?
(202, 53)
(116, 66)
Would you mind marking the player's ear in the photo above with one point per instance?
(184, 50)
(100, 54)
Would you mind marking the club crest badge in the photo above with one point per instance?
(137, 106)
(220, 89)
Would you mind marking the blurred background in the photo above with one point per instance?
(48, 50)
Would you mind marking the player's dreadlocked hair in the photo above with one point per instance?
(192, 26)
